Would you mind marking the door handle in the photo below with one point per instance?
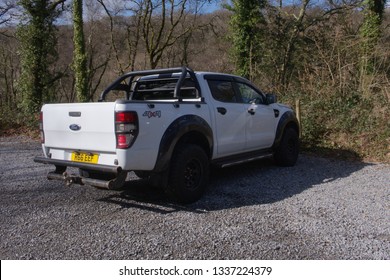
(252, 108)
(221, 110)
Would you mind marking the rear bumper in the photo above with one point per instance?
(69, 179)
(66, 163)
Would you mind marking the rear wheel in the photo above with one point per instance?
(189, 173)
(287, 152)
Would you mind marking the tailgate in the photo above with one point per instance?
(80, 126)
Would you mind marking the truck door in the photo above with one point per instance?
(261, 118)
(230, 118)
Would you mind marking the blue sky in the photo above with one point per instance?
(214, 5)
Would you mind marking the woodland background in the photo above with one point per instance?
(331, 55)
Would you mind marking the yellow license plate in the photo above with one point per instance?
(85, 157)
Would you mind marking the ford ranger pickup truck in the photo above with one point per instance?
(170, 124)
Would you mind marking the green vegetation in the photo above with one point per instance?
(37, 53)
(246, 35)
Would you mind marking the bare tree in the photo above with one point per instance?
(98, 54)
(6, 8)
(9, 72)
(160, 22)
(192, 43)
(287, 26)
(131, 23)
(155, 29)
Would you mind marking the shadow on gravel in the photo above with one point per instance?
(262, 182)
(255, 183)
(140, 194)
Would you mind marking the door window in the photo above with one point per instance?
(249, 94)
(222, 91)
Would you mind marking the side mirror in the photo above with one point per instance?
(270, 98)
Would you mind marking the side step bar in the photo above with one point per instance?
(242, 158)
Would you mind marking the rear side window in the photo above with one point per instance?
(161, 89)
(222, 91)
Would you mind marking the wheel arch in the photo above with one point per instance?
(188, 129)
(287, 120)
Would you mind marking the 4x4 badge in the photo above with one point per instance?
(151, 114)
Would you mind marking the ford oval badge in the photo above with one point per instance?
(75, 127)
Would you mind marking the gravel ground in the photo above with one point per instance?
(319, 209)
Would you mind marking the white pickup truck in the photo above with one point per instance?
(169, 124)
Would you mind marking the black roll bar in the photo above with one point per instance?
(183, 70)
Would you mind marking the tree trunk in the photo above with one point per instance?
(79, 55)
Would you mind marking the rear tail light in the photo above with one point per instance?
(126, 128)
(41, 133)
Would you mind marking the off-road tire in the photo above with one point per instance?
(188, 175)
(286, 154)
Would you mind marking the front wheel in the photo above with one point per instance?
(286, 154)
(189, 173)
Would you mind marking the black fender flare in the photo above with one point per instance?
(174, 133)
(287, 119)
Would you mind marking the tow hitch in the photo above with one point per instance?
(60, 174)
(71, 179)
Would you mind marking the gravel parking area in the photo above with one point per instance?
(319, 209)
